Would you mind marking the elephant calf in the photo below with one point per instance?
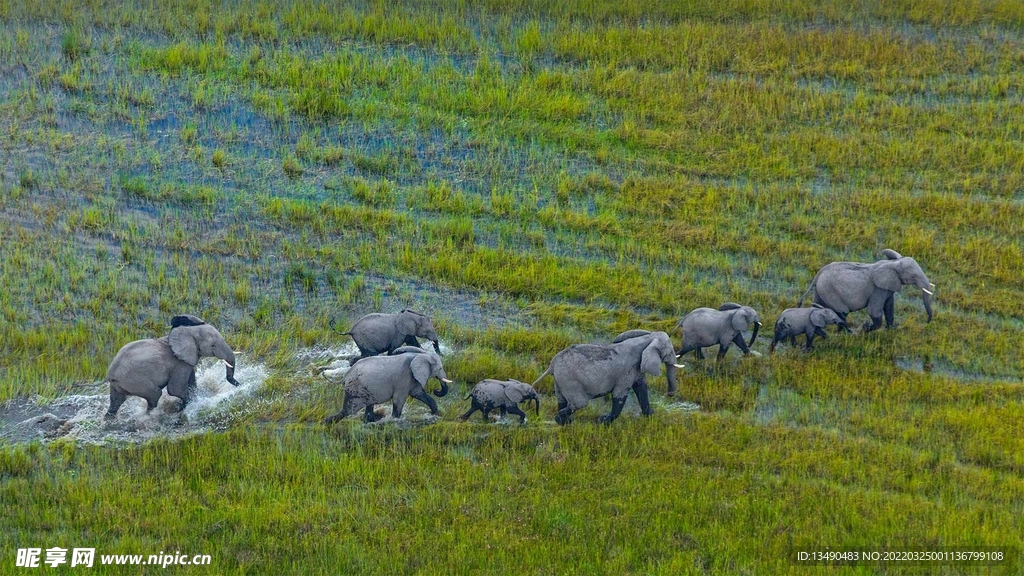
(705, 327)
(501, 395)
(808, 321)
(378, 379)
(384, 333)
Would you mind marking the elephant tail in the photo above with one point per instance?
(542, 376)
(333, 327)
(810, 288)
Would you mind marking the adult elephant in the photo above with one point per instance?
(145, 367)
(379, 333)
(850, 286)
(704, 327)
(378, 379)
(583, 372)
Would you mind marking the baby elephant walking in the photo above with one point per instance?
(809, 321)
(501, 395)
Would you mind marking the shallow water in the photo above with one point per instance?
(943, 368)
(80, 417)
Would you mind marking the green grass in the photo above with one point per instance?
(533, 177)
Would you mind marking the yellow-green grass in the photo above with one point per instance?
(533, 178)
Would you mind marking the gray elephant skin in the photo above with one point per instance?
(704, 327)
(850, 286)
(145, 367)
(583, 372)
(808, 321)
(377, 379)
(384, 333)
(503, 395)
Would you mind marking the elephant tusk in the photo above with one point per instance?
(446, 381)
(679, 355)
(226, 363)
(928, 292)
(932, 286)
(680, 365)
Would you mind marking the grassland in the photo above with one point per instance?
(534, 175)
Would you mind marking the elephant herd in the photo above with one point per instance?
(392, 366)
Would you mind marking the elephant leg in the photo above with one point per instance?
(152, 399)
(640, 389)
(346, 409)
(473, 408)
(792, 339)
(514, 410)
(503, 411)
(809, 345)
(843, 326)
(876, 308)
(420, 394)
(738, 340)
(369, 415)
(695, 349)
(397, 404)
(617, 404)
(563, 415)
(562, 403)
(182, 383)
(722, 349)
(887, 309)
(699, 353)
(117, 397)
(771, 347)
(363, 353)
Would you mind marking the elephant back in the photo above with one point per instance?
(138, 357)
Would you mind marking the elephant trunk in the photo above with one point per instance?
(228, 356)
(670, 376)
(437, 347)
(927, 299)
(536, 401)
(444, 389)
(757, 326)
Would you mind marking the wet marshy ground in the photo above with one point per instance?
(80, 417)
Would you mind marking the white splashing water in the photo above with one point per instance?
(213, 402)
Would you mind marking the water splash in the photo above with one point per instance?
(80, 417)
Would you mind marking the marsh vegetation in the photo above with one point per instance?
(533, 178)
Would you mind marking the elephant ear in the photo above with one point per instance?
(891, 254)
(886, 278)
(186, 320)
(818, 318)
(740, 320)
(650, 360)
(184, 345)
(729, 306)
(420, 367)
(515, 392)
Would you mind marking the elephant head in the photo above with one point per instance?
(897, 271)
(427, 365)
(660, 351)
(420, 326)
(821, 317)
(517, 391)
(742, 318)
(191, 339)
